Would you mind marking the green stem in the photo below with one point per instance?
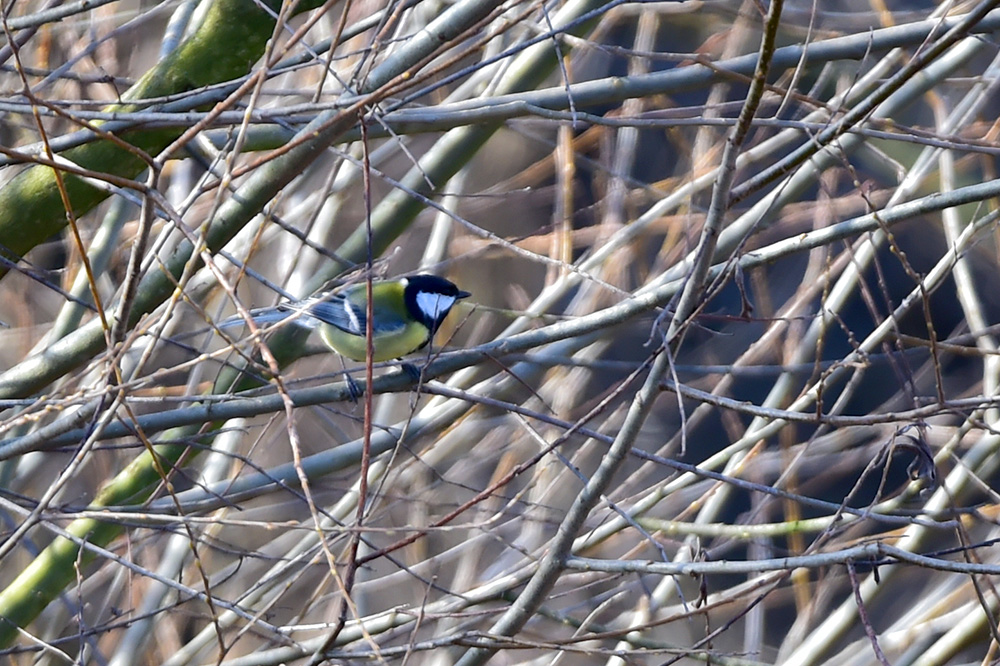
(226, 45)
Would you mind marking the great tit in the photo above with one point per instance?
(407, 314)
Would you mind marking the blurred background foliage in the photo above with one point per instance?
(830, 400)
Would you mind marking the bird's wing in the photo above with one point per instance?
(349, 316)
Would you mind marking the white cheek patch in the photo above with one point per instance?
(434, 305)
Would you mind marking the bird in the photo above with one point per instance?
(407, 313)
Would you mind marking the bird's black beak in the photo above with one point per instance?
(462, 294)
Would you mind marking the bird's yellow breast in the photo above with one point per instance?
(388, 346)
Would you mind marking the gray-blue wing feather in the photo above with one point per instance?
(338, 312)
(334, 310)
(349, 316)
(308, 313)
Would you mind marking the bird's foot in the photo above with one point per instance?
(353, 388)
(413, 371)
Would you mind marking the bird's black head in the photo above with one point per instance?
(429, 298)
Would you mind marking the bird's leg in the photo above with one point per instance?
(352, 386)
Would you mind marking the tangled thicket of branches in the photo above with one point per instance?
(726, 391)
